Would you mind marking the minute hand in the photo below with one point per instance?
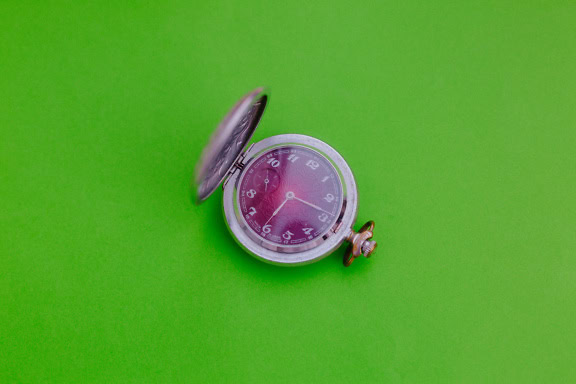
(276, 211)
(312, 205)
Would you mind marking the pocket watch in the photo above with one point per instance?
(288, 199)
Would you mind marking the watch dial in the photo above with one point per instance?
(290, 195)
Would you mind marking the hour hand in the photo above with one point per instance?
(312, 205)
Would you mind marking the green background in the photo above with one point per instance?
(458, 119)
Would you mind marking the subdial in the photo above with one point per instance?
(266, 180)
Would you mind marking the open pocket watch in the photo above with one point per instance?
(288, 199)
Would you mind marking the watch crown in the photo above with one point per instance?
(360, 243)
(368, 247)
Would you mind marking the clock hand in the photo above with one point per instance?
(289, 196)
(266, 181)
(276, 211)
(312, 205)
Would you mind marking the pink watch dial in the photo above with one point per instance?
(290, 195)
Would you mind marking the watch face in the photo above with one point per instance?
(290, 196)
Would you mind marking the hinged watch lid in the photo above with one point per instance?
(227, 143)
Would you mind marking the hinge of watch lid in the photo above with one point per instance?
(238, 165)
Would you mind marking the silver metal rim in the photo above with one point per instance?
(326, 245)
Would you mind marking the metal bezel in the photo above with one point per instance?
(325, 246)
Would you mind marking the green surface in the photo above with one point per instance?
(459, 121)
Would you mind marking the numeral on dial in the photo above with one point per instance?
(312, 164)
(287, 235)
(307, 230)
(325, 178)
(292, 158)
(273, 162)
(251, 193)
(252, 211)
(323, 217)
(267, 228)
(329, 197)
